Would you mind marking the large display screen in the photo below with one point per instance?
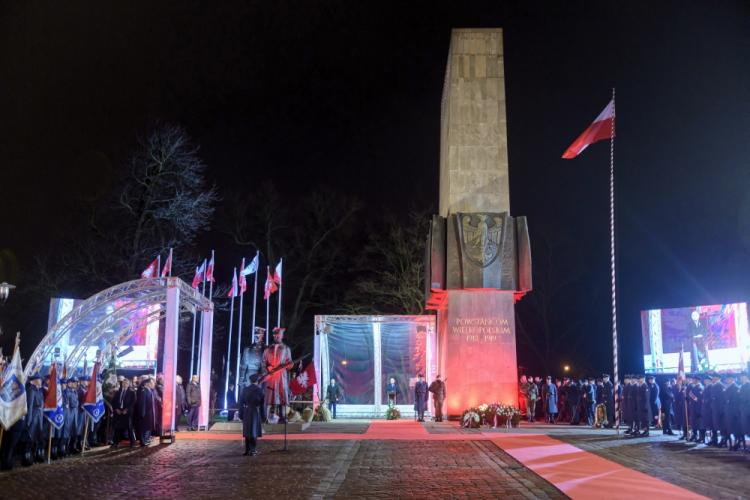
(137, 351)
(712, 338)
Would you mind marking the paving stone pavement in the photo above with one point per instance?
(311, 469)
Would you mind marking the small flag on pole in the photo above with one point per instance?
(93, 403)
(251, 268)
(602, 128)
(233, 290)
(243, 281)
(13, 391)
(210, 269)
(199, 275)
(277, 273)
(270, 287)
(152, 270)
(167, 271)
(53, 409)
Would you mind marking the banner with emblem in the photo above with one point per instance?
(13, 391)
(93, 403)
(302, 382)
(53, 409)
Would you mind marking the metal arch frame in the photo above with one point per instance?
(144, 293)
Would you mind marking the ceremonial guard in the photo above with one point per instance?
(731, 411)
(420, 397)
(34, 420)
(642, 407)
(628, 405)
(717, 408)
(706, 417)
(70, 410)
(550, 394)
(589, 399)
(277, 360)
(667, 402)
(680, 401)
(253, 413)
(81, 422)
(123, 405)
(608, 398)
(695, 405)
(437, 388)
(252, 358)
(654, 401)
(573, 399)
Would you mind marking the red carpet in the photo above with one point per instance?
(580, 474)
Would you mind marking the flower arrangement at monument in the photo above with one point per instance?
(322, 414)
(392, 413)
(492, 414)
(471, 418)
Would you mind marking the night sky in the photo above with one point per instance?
(348, 93)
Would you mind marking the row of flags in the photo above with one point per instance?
(13, 404)
(152, 271)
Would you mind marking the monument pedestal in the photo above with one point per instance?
(478, 349)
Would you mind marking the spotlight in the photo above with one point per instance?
(566, 368)
(5, 289)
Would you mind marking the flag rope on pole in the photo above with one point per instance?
(612, 262)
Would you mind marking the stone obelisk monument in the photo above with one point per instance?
(479, 259)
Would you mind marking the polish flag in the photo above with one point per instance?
(199, 275)
(302, 382)
(53, 407)
(243, 282)
(270, 287)
(277, 272)
(233, 290)
(210, 269)
(152, 271)
(602, 128)
(167, 271)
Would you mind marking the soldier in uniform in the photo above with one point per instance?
(252, 359)
(573, 400)
(667, 401)
(706, 421)
(680, 419)
(277, 358)
(437, 388)
(421, 393)
(34, 420)
(732, 411)
(654, 400)
(608, 398)
(81, 422)
(70, 410)
(589, 399)
(628, 405)
(253, 413)
(643, 407)
(550, 394)
(695, 405)
(717, 409)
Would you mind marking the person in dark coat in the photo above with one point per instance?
(70, 410)
(744, 407)
(123, 406)
(732, 411)
(589, 400)
(146, 411)
(628, 404)
(252, 408)
(643, 407)
(706, 420)
(180, 402)
(193, 398)
(680, 418)
(608, 398)
(573, 400)
(561, 390)
(654, 401)
(158, 391)
(717, 409)
(333, 395)
(231, 402)
(437, 388)
(34, 420)
(695, 404)
(391, 389)
(421, 392)
(550, 394)
(666, 397)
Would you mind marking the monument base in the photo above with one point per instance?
(477, 339)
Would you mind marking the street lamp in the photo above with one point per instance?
(566, 368)
(5, 289)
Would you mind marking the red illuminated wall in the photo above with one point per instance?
(478, 349)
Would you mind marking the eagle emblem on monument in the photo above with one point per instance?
(481, 237)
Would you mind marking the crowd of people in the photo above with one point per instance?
(133, 409)
(712, 409)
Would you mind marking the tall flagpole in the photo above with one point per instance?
(210, 297)
(192, 346)
(200, 337)
(255, 294)
(171, 263)
(615, 370)
(239, 333)
(281, 286)
(229, 342)
(268, 304)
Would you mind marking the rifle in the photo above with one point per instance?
(285, 366)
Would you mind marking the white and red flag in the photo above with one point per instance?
(167, 270)
(53, 407)
(199, 275)
(602, 128)
(270, 287)
(302, 382)
(277, 272)
(243, 282)
(210, 269)
(152, 271)
(233, 289)
(93, 402)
